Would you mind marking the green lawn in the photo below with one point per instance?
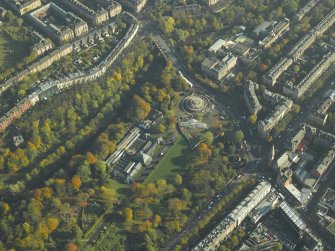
(173, 162)
(11, 52)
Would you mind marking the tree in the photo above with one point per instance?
(296, 108)
(238, 136)
(71, 247)
(139, 109)
(178, 180)
(252, 119)
(167, 24)
(52, 224)
(76, 182)
(204, 152)
(128, 214)
(208, 138)
(91, 158)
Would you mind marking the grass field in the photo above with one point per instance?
(11, 52)
(172, 163)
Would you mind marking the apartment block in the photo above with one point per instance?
(275, 31)
(58, 24)
(271, 77)
(265, 126)
(134, 5)
(304, 10)
(212, 241)
(186, 10)
(24, 6)
(299, 90)
(41, 44)
(320, 115)
(95, 17)
(250, 97)
(210, 2)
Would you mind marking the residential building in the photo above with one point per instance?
(212, 240)
(134, 5)
(41, 44)
(305, 9)
(271, 77)
(24, 6)
(95, 17)
(210, 2)
(293, 143)
(299, 90)
(250, 97)
(319, 137)
(113, 7)
(218, 69)
(320, 115)
(323, 165)
(298, 49)
(274, 31)
(186, 10)
(265, 126)
(72, 26)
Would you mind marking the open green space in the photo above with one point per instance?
(11, 51)
(174, 161)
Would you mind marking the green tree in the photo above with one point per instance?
(238, 136)
(252, 119)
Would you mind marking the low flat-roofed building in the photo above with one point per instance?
(331, 229)
(250, 97)
(241, 47)
(186, 10)
(300, 196)
(218, 69)
(24, 6)
(217, 46)
(311, 242)
(292, 216)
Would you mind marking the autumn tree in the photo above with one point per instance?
(139, 109)
(204, 152)
(71, 247)
(91, 158)
(76, 182)
(52, 224)
(128, 214)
